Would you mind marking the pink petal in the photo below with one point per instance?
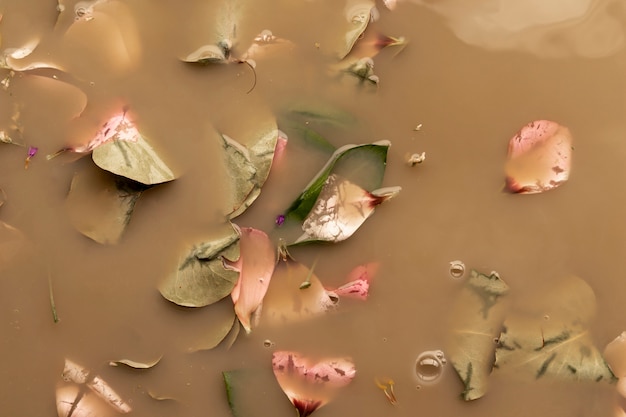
(356, 289)
(539, 157)
(257, 266)
(310, 384)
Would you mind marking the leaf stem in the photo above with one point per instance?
(55, 316)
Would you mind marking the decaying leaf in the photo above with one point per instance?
(309, 383)
(77, 374)
(539, 158)
(363, 165)
(147, 364)
(100, 204)
(255, 266)
(201, 277)
(249, 166)
(358, 15)
(476, 317)
(555, 344)
(363, 69)
(341, 208)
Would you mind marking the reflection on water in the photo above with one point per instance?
(433, 95)
(549, 28)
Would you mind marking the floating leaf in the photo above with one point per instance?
(477, 318)
(73, 372)
(539, 158)
(310, 384)
(555, 344)
(136, 364)
(358, 14)
(210, 54)
(255, 267)
(362, 164)
(221, 327)
(341, 208)
(100, 204)
(363, 69)
(124, 151)
(201, 277)
(249, 166)
(246, 400)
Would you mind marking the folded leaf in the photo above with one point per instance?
(308, 383)
(201, 277)
(136, 364)
(362, 164)
(358, 15)
(477, 317)
(341, 208)
(539, 158)
(256, 266)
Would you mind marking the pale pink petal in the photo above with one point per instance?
(281, 146)
(615, 355)
(308, 383)
(539, 157)
(355, 289)
(258, 258)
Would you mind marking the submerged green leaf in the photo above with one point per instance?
(247, 400)
(362, 164)
(134, 159)
(100, 204)
(555, 344)
(477, 318)
(201, 277)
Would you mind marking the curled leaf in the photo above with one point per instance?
(358, 15)
(341, 208)
(136, 364)
(255, 266)
(477, 318)
(539, 158)
(201, 277)
(308, 383)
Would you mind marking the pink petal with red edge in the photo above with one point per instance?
(356, 289)
(257, 260)
(539, 158)
(310, 384)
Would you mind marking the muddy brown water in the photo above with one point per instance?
(469, 100)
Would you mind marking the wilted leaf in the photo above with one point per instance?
(358, 14)
(247, 400)
(255, 267)
(555, 344)
(477, 317)
(362, 164)
(249, 166)
(539, 157)
(100, 204)
(129, 155)
(341, 208)
(308, 383)
(201, 277)
(295, 294)
(136, 364)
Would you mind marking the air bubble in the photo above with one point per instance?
(429, 365)
(268, 343)
(457, 269)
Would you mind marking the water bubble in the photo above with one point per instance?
(268, 343)
(429, 365)
(457, 269)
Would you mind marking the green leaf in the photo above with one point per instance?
(134, 159)
(201, 277)
(363, 165)
(477, 318)
(249, 166)
(254, 392)
(552, 340)
(100, 204)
